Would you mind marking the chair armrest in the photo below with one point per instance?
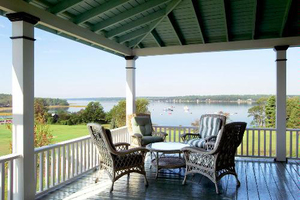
(137, 135)
(210, 139)
(160, 134)
(189, 136)
(137, 150)
(122, 146)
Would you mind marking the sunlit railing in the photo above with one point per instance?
(6, 175)
(293, 147)
(61, 163)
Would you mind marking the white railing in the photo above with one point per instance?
(6, 175)
(257, 142)
(293, 144)
(61, 163)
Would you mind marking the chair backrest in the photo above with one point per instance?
(227, 143)
(140, 123)
(103, 141)
(211, 124)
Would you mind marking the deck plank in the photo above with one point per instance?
(259, 180)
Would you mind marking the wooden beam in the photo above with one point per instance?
(127, 14)
(134, 24)
(257, 11)
(226, 12)
(222, 46)
(94, 12)
(63, 6)
(285, 17)
(171, 6)
(132, 43)
(54, 22)
(176, 29)
(197, 14)
(157, 39)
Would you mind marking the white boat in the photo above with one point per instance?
(186, 109)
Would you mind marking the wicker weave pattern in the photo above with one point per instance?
(220, 161)
(117, 160)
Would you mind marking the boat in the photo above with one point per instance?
(186, 109)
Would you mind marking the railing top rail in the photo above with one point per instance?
(52, 146)
(291, 129)
(266, 129)
(9, 157)
(174, 126)
(120, 128)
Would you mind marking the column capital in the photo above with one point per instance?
(22, 16)
(281, 48)
(131, 57)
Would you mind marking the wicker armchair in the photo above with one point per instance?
(116, 159)
(141, 130)
(220, 161)
(210, 127)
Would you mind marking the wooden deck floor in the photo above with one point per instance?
(260, 179)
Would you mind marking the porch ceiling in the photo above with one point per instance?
(151, 27)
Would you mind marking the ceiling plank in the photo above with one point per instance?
(171, 6)
(157, 39)
(285, 17)
(176, 28)
(226, 11)
(127, 14)
(221, 46)
(54, 22)
(63, 6)
(257, 12)
(197, 14)
(94, 12)
(139, 22)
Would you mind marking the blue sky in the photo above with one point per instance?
(64, 68)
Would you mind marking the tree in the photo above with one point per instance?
(293, 112)
(271, 112)
(40, 111)
(93, 113)
(258, 113)
(117, 115)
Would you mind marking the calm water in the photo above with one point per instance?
(180, 116)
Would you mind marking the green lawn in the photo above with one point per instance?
(60, 133)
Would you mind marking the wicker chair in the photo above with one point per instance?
(220, 161)
(210, 127)
(141, 130)
(116, 159)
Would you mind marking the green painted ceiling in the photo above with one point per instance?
(157, 23)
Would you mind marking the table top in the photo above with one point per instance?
(166, 146)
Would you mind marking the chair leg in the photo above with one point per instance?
(146, 180)
(112, 186)
(217, 189)
(184, 180)
(238, 183)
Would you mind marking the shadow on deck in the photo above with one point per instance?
(260, 179)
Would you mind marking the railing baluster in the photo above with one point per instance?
(297, 144)
(58, 165)
(35, 168)
(92, 154)
(63, 163)
(52, 167)
(270, 147)
(88, 154)
(2, 181)
(41, 174)
(253, 142)
(72, 160)
(67, 162)
(10, 183)
(242, 147)
(81, 157)
(258, 143)
(291, 144)
(247, 142)
(265, 148)
(46, 169)
(76, 158)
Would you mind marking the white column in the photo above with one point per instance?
(281, 102)
(130, 85)
(23, 103)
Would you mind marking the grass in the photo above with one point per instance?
(60, 133)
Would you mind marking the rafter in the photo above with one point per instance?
(129, 13)
(226, 18)
(142, 21)
(98, 10)
(63, 6)
(256, 18)
(197, 14)
(157, 39)
(176, 29)
(285, 17)
(171, 6)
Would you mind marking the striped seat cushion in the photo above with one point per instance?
(196, 142)
(209, 126)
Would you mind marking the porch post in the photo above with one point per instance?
(281, 102)
(130, 85)
(23, 100)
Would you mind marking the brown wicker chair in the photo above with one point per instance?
(220, 161)
(141, 130)
(116, 159)
(209, 127)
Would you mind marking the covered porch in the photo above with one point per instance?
(131, 29)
